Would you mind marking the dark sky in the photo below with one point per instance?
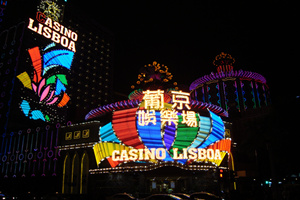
(186, 36)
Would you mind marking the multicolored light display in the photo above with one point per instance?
(156, 131)
(47, 83)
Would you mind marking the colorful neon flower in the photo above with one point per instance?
(49, 87)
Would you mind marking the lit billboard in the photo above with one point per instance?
(50, 50)
(157, 131)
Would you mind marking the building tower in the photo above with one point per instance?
(51, 65)
(245, 96)
(236, 91)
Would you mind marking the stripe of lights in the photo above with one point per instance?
(204, 130)
(185, 135)
(151, 135)
(217, 131)
(169, 135)
(107, 134)
(124, 125)
(221, 75)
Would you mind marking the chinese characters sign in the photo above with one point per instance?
(154, 100)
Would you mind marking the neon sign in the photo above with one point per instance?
(155, 100)
(54, 31)
(159, 131)
(50, 88)
(160, 154)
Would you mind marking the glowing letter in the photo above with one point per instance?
(184, 151)
(141, 151)
(56, 26)
(124, 156)
(64, 41)
(168, 116)
(114, 157)
(133, 154)
(72, 46)
(192, 153)
(74, 36)
(55, 37)
(175, 154)
(47, 32)
(201, 154)
(150, 153)
(48, 22)
(179, 99)
(146, 118)
(189, 118)
(217, 154)
(40, 29)
(154, 99)
(31, 24)
(160, 154)
(210, 154)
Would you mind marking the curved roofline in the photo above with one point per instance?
(221, 75)
(120, 105)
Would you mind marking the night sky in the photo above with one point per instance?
(187, 35)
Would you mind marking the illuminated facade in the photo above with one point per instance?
(91, 74)
(236, 91)
(54, 68)
(245, 95)
(160, 127)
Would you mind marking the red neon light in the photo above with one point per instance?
(64, 100)
(124, 125)
(222, 145)
(37, 63)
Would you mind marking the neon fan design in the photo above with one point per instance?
(49, 87)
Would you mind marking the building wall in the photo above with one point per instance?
(234, 94)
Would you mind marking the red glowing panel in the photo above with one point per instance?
(37, 63)
(124, 125)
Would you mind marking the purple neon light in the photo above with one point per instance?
(169, 136)
(233, 73)
(197, 105)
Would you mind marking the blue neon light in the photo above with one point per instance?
(204, 130)
(57, 58)
(25, 107)
(217, 132)
(107, 134)
(59, 87)
(151, 135)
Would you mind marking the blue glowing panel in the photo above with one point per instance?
(25, 107)
(37, 114)
(59, 87)
(151, 135)
(204, 130)
(107, 134)
(217, 131)
(57, 58)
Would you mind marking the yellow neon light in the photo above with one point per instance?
(24, 78)
(64, 175)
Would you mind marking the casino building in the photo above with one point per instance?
(63, 134)
(43, 84)
(161, 140)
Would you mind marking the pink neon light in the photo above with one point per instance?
(42, 83)
(45, 93)
(53, 101)
(34, 87)
(51, 95)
